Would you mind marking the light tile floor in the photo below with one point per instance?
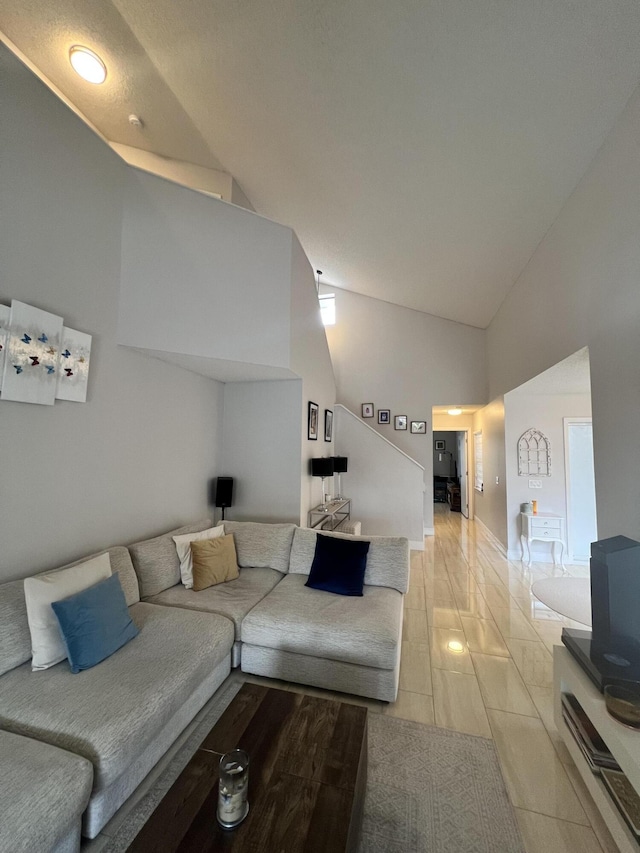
(489, 647)
(476, 657)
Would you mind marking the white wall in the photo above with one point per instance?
(201, 277)
(581, 288)
(490, 505)
(187, 174)
(384, 485)
(544, 412)
(311, 360)
(261, 440)
(406, 361)
(137, 457)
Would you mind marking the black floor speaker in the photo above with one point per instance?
(224, 492)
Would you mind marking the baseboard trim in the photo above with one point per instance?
(492, 537)
(416, 544)
(429, 531)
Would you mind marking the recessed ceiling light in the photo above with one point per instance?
(87, 64)
(455, 646)
(456, 411)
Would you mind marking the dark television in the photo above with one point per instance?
(610, 652)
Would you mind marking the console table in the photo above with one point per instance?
(545, 527)
(331, 515)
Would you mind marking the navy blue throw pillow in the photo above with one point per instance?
(338, 565)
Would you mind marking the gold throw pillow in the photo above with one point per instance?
(214, 561)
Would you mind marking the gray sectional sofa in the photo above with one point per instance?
(108, 726)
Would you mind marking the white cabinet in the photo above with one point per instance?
(543, 526)
(624, 743)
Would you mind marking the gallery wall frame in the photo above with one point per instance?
(418, 427)
(384, 416)
(400, 422)
(367, 410)
(328, 424)
(312, 421)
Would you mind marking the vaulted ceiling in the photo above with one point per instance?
(420, 148)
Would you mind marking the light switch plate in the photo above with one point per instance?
(535, 484)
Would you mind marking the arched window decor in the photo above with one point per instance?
(534, 454)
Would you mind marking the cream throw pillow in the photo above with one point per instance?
(214, 561)
(47, 645)
(183, 548)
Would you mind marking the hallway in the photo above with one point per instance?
(476, 657)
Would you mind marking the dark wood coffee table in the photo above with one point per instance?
(307, 778)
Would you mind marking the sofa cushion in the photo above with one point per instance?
(121, 565)
(43, 792)
(111, 713)
(156, 560)
(233, 599)
(94, 623)
(387, 560)
(214, 562)
(183, 549)
(262, 545)
(47, 643)
(294, 618)
(15, 638)
(338, 566)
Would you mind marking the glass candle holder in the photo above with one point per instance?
(623, 703)
(233, 789)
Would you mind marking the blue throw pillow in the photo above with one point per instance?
(338, 565)
(94, 623)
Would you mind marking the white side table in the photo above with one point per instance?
(543, 526)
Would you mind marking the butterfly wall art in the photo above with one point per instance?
(25, 377)
(40, 359)
(73, 371)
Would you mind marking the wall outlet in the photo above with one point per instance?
(535, 484)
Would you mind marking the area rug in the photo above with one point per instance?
(429, 790)
(571, 597)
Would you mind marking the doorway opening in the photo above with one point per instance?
(452, 457)
(558, 472)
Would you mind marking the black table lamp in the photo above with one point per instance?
(340, 467)
(322, 467)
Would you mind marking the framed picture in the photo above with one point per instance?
(367, 410)
(439, 444)
(312, 422)
(384, 416)
(400, 422)
(328, 424)
(419, 427)
(32, 355)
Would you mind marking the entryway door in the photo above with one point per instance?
(581, 488)
(463, 468)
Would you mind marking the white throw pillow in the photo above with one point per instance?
(47, 645)
(183, 547)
